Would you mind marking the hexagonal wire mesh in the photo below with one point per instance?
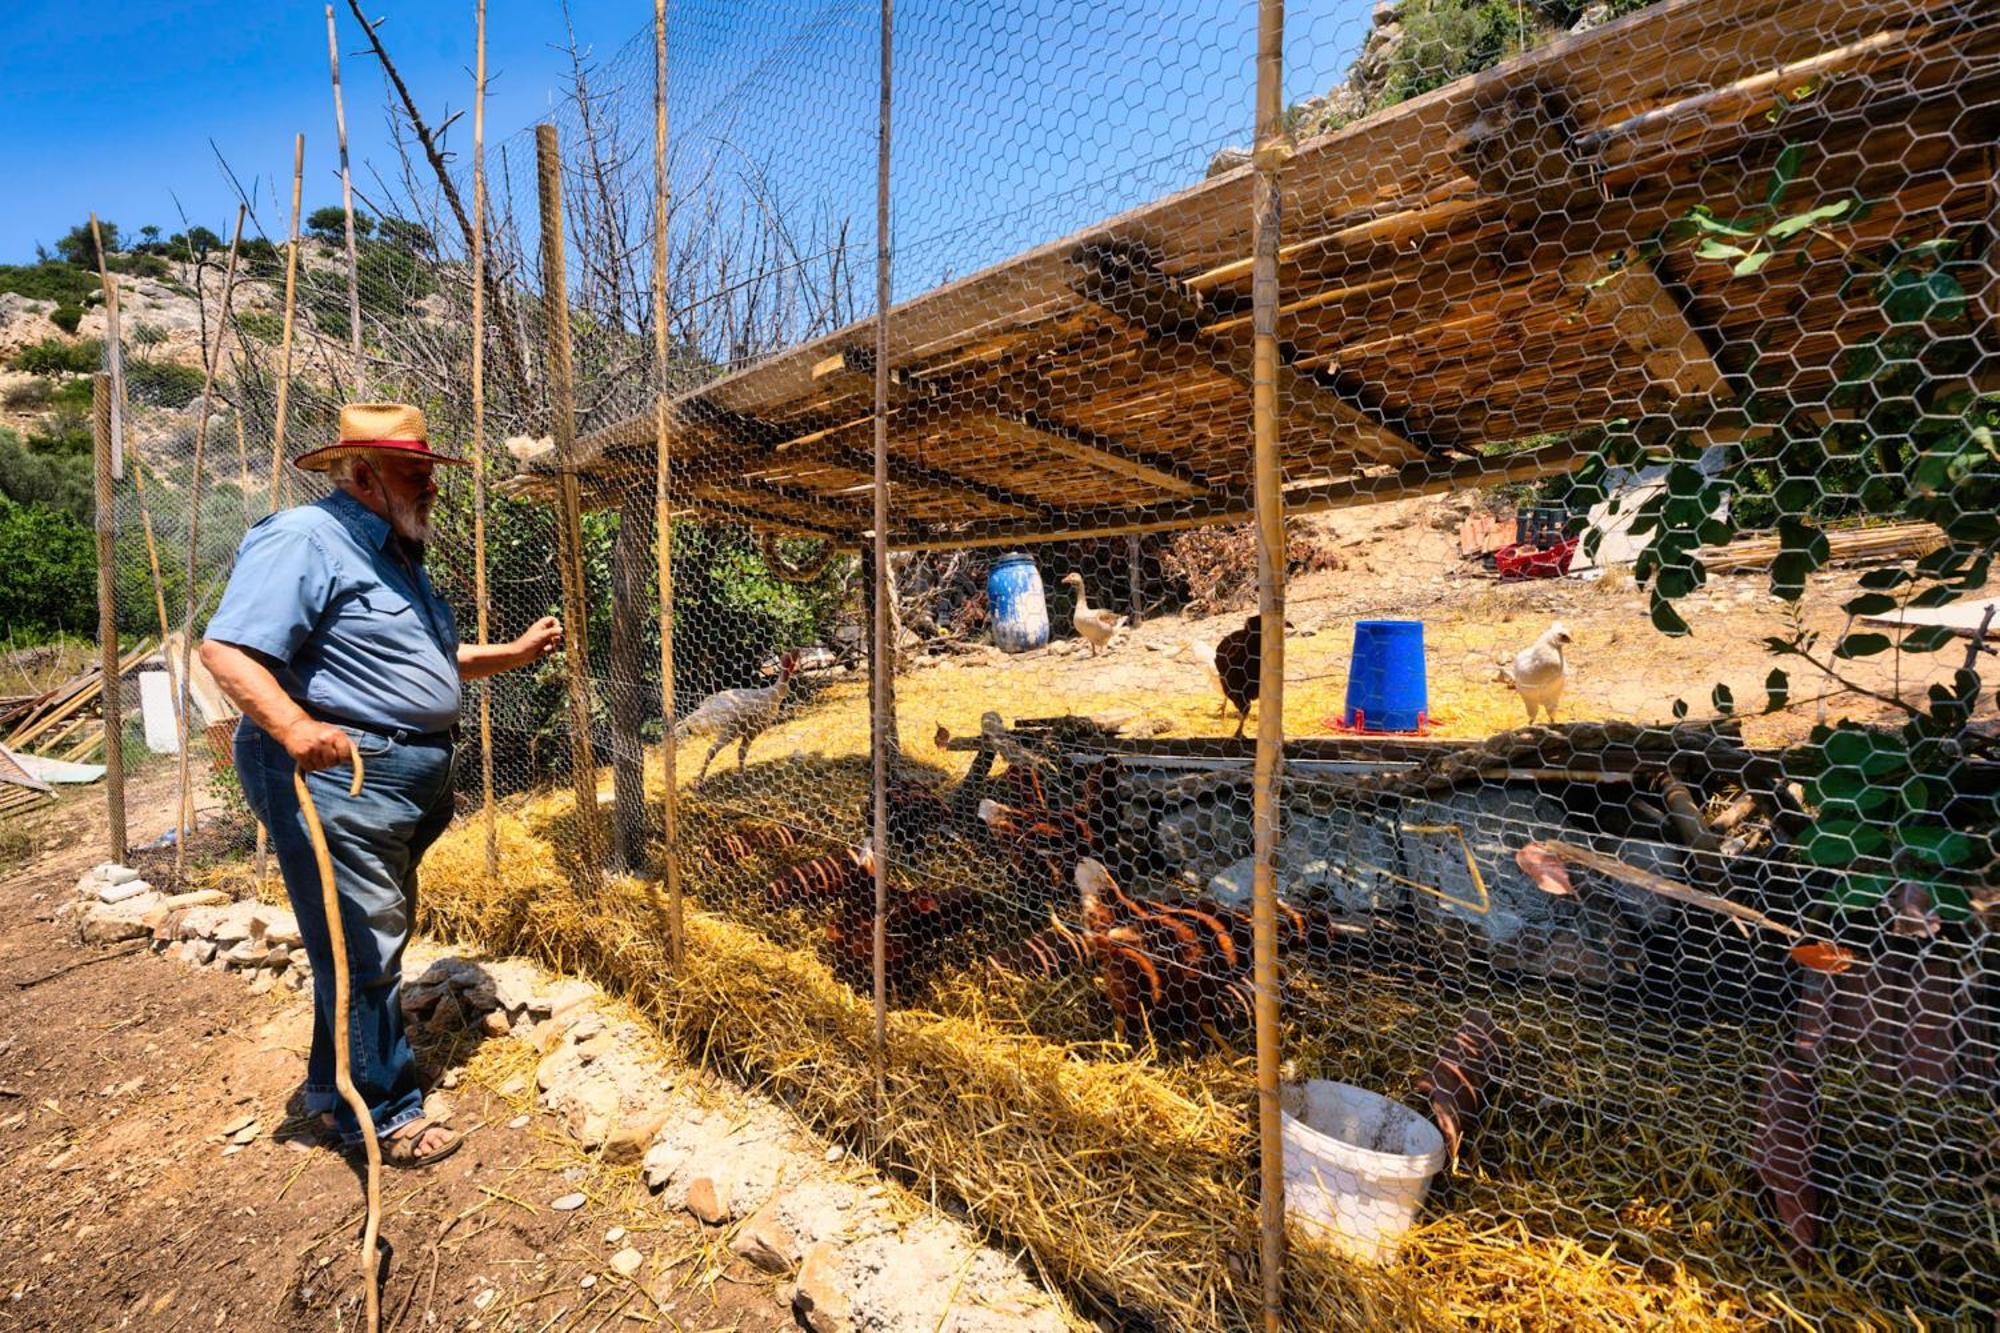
(1635, 374)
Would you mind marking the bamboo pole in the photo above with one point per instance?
(485, 687)
(160, 609)
(103, 411)
(214, 360)
(569, 524)
(114, 346)
(881, 697)
(1273, 148)
(663, 539)
(347, 188)
(285, 343)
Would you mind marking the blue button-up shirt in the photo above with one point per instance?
(346, 615)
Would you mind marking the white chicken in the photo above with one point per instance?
(528, 451)
(1203, 653)
(1539, 672)
(1095, 626)
(738, 715)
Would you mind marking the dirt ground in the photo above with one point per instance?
(127, 1205)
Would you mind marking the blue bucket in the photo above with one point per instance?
(1014, 601)
(1385, 681)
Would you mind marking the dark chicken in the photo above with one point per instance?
(1239, 664)
(915, 923)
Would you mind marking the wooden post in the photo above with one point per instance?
(103, 409)
(628, 708)
(214, 360)
(347, 191)
(882, 665)
(114, 345)
(485, 687)
(285, 342)
(1135, 574)
(1273, 147)
(569, 519)
(663, 531)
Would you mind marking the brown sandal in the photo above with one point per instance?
(400, 1149)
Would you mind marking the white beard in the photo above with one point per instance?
(410, 522)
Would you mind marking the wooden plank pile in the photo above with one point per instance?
(66, 722)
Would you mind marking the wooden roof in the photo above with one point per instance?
(1447, 294)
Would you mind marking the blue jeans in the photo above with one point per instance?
(374, 841)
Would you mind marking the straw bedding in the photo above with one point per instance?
(1129, 1176)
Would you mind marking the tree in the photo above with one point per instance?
(407, 235)
(48, 569)
(195, 242)
(78, 247)
(329, 224)
(149, 235)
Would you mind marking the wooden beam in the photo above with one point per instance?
(1656, 327)
(949, 483)
(1422, 477)
(1124, 282)
(1055, 438)
(833, 506)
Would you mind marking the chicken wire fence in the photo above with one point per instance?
(1681, 997)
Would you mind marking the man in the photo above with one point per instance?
(332, 641)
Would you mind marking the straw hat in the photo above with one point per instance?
(375, 428)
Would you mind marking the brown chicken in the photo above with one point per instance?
(747, 840)
(916, 922)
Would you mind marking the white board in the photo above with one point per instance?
(156, 706)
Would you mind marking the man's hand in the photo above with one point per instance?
(314, 745)
(542, 638)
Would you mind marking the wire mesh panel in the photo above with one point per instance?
(1633, 862)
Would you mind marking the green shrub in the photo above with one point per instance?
(49, 281)
(162, 383)
(147, 335)
(30, 395)
(48, 569)
(67, 317)
(64, 432)
(73, 394)
(1445, 40)
(78, 245)
(140, 265)
(53, 356)
(261, 325)
(329, 224)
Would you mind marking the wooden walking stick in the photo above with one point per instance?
(343, 1076)
(194, 539)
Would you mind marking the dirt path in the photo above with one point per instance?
(128, 1206)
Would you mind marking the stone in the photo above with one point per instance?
(247, 953)
(264, 983)
(495, 1023)
(277, 959)
(239, 922)
(568, 1203)
(247, 1132)
(113, 873)
(284, 929)
(820, 1299)
(628, 1143)
(834, 1154)
(117, 891)
(519, 1122)
(562, 999)
(661, 1162)
(766, 1241)
(111, 923)
(708, 1200)
(627, 1262)
(613, 1236)
(182, 902)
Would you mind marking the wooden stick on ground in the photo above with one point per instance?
(103, 403)
(194, 535)
(569, 519)
(484, 687)
(285, 340)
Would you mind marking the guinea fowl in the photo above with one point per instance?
(738, 715)
(1239, 664)
(1094, 625)
(1203, 653)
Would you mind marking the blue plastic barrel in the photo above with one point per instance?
(1014, 601)
(1385, 681)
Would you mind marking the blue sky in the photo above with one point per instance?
(1017, 120)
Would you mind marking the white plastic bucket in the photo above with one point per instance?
(1357, 1167)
